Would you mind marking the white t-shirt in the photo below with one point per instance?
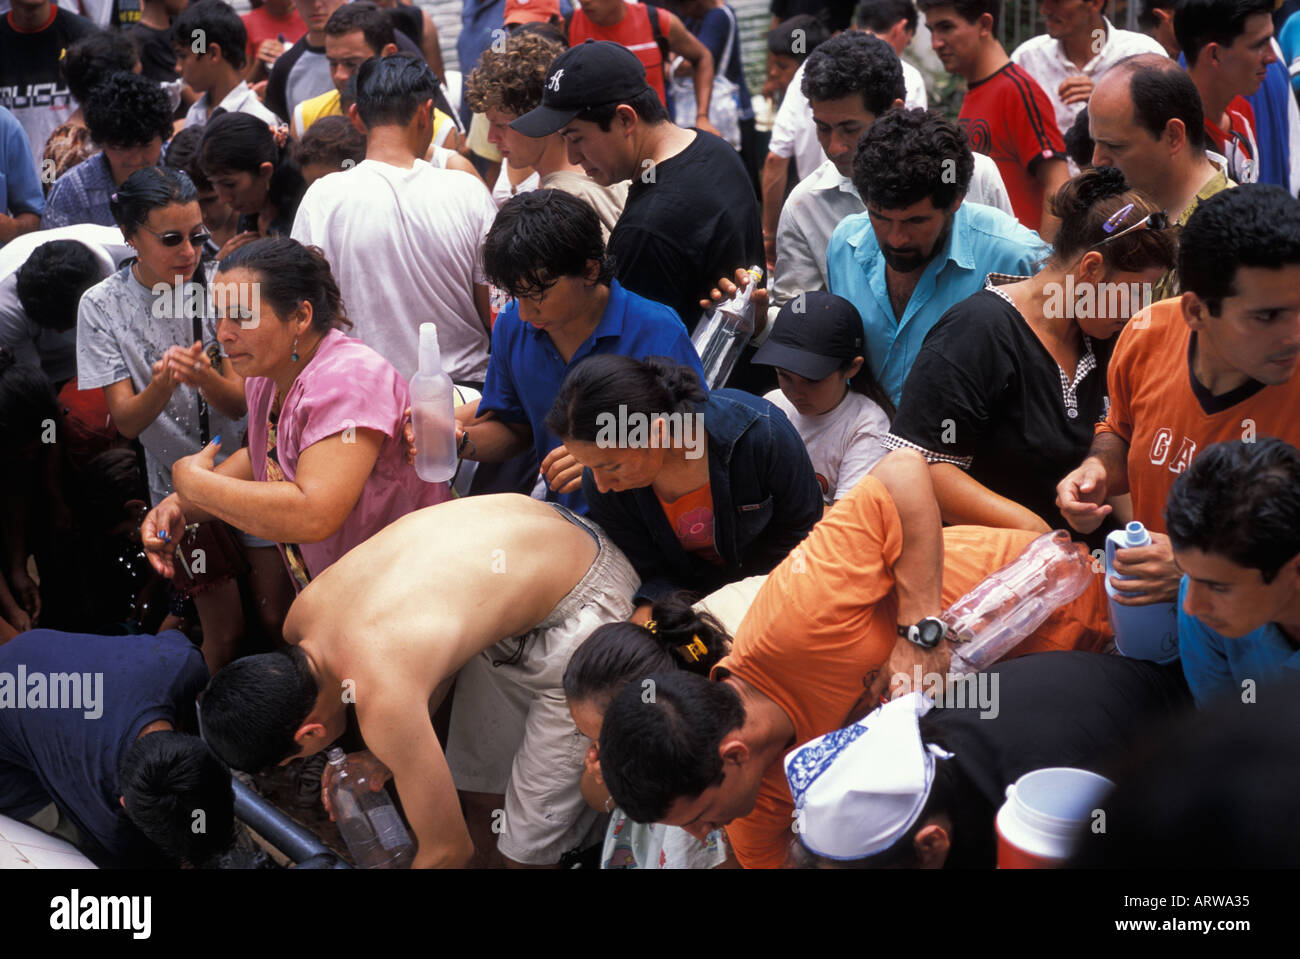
(241, 99)
(31, 343)
(795, 135)
(502, 190)
(843, 444)
(406, 247)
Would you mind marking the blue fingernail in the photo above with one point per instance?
(164, 536)
(217, 439)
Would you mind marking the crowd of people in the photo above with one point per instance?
(646, 623)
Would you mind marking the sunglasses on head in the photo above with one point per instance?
(1158, 220)
(176, 238)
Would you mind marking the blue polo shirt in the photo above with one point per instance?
(525, 369)
(1216, 665)
(983, 241)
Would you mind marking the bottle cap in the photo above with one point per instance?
(430, 357)
(336, 756)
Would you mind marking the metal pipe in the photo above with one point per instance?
(298, 843)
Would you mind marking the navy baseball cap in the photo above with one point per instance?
(582, 77)
(814, 334)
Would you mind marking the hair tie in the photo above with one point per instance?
(694, 651)
(652, 626)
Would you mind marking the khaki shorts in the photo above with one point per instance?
(511, 731)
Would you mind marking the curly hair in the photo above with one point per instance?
(511, 80)
(331, 141)
(94, 57)
(855, 62)
(126, 110)
(909, 155)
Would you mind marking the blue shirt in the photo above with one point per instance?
(81, 195)
(525, 369)
(1216, 665)
(20, 185)
(1273, 126)
(983, 241)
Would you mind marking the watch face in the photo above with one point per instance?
(931, 631)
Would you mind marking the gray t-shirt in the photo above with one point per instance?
(123, 329)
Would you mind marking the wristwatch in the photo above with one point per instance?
(927, 634)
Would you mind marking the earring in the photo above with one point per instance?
(295, 349)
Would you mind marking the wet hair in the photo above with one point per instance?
(1147, 19)
(127, 110)
(617, 653)
(781, 38)
(855, 62)
(292, 274)
(374, 23)
(391, 89)
(600, 384)
(512, 80)
(87, 62)
(909, 155)
(658, 749)
(104, 486)
(540, 28)
(1198, 23)
(646, 105)
(1079, 145)
(51, 280)
(331, 141)
(168, 779)
(1240, 501)
(540, 236)
(241, 143)
(27, 402)
(220, 25)
(881, 15)
(1087, 203)
(183, 154)
(1254, 225)
(968, 10)
(144, 191)
(252, 708)
(1160, 90)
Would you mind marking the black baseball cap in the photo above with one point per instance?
(813, 335)
(582, 77)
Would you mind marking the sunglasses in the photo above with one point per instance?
(176, 238)
(1155, 221)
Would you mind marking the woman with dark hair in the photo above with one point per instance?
(698, 489)
(678, 637)
(324, 468)
(1004, 393)
(147, 337)
(254, 173)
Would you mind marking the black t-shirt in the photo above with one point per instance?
(985, 394)
(696, 221)
(1083, 710)
(835, 14)
(157, 58)
(31, 85)
(70, 754)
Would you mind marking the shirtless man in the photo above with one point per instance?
(443, 590)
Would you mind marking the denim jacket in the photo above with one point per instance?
(765, 501)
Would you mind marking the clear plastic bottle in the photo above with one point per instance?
(368, 820)
(721, 336)
(1008, 605)
(433, 413)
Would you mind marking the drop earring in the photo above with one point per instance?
(295, 349)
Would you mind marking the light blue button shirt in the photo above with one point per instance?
(983, 241)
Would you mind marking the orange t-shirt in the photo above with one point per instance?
(691, 518)
(633, 32)
(1166, 415)
(824, 622)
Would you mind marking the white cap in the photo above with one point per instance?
(858, 790)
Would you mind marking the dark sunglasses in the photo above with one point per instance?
(176, 238)
(1155, 221)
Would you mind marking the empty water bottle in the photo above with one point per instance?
(1006, 606)
(721, 336)
(433, 416)
(368, 820)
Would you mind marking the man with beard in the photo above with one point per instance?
(917, 249)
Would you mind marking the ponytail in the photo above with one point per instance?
(241, 143)
(610, 384)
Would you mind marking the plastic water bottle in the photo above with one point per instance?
(721, 336)
(1006, 606)
(369, 822)
(1141, 632)
(433, 413)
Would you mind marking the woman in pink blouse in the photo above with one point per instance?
(324, 468)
